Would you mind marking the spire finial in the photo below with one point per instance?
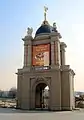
(45, 11)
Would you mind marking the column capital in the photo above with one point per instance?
(28, 43)
(56, 34)
(26, 38)
(63, 44)
(52, 42)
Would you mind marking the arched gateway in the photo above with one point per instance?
(44, 65)
(39, 97)
(40, 93)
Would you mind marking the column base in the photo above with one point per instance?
(67, 108)
(55, 108)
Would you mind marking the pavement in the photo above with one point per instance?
(13, 114)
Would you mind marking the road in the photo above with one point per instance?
(12, 114)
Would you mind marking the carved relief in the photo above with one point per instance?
(36, 80)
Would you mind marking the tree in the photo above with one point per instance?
(12, 92)
(1, 93)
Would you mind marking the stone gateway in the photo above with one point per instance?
(45, 81)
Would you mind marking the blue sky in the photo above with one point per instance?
(17, 15)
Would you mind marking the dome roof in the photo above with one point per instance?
(44, 28)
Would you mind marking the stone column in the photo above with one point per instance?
(19, 86)
(52, 53)
(25, 55)
(27, 51)
(55, 48)
(62, 52)
(57, 52)
(30, 55)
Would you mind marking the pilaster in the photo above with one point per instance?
(52, 53)
(55, 49)
(62, 52)
(27, 51)
(57, 52)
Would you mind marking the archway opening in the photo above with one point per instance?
(42, 96)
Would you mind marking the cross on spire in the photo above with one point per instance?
(45, 11)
